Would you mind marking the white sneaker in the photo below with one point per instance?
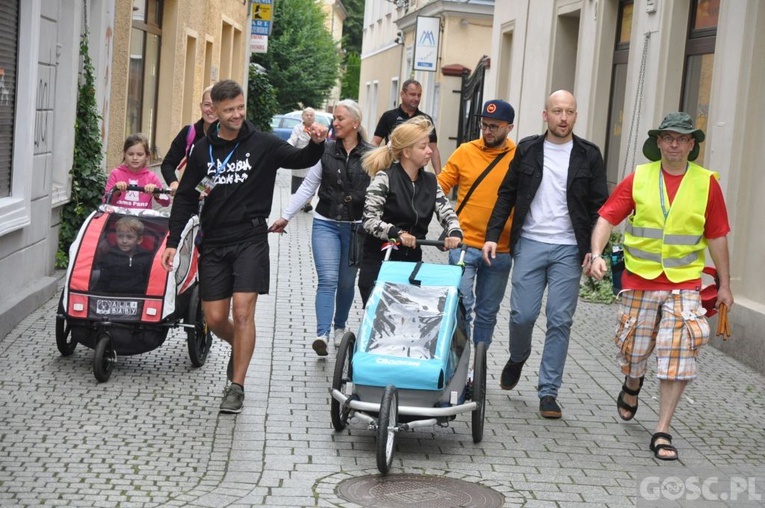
(339, 334)
(320, 345)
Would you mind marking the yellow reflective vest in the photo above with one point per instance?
(663, 238)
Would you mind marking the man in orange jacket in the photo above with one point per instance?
(483, 286)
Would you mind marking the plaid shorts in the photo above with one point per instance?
(672, 322)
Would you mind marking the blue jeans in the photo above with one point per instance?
(330, 241)
(482, 288)
(558, 268)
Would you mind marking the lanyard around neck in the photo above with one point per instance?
(665, 209)
(225, 161)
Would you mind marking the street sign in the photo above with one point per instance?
(258, 44)
(261, 27)
(427, 35)
(261, 17)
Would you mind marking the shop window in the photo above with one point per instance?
(143, 74)
(618, 87)
(9, 25)
(18, 86)
(699, 63)
(394, 93)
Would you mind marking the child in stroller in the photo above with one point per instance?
(124, 268)
(117, 297)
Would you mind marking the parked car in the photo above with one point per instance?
(322, 117)
(282, 125)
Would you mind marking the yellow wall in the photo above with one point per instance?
(464, 43)
(381, 67)
(334, 17)
(184, 21)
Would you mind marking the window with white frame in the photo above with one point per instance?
(17, 102)
(394, 93)
(9, 26)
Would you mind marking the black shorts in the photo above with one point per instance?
(239, 268)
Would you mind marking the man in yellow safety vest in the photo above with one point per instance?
(675, 210)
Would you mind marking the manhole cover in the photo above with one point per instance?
(420, 491)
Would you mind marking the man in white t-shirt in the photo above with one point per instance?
(556, 183)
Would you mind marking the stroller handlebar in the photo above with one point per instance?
(434, 243)
(438, 243)
(139, 188)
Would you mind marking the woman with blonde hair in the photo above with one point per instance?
(401, 200)
(341, 182)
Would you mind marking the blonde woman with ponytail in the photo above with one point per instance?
(401, 199)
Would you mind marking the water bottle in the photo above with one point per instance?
(617, 267)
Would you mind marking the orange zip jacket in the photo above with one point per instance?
(466, 164)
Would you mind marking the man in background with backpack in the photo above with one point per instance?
(175, 160)
(478, 168)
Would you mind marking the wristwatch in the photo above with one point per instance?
(598, 256)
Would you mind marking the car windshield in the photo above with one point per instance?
(289, 123)
(323, 120)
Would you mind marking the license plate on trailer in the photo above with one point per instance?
(116, 307)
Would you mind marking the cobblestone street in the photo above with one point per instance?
(152, 435)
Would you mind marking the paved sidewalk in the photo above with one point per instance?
(152, 435)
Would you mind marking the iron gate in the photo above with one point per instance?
(471, 102)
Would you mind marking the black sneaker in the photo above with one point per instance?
(320, 345)
(549, 408)
(233, 400)
(511, 374)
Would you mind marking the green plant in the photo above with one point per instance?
(87, 176)
(303, 60)
(601, 291)
(261, 98)
(349, 86)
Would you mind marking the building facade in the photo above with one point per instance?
(629, 63)
(334, 17)
(388, 50)
(39, 69)
(152, 60)
(170, 50)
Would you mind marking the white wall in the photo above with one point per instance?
(523, 55)
(42, 156)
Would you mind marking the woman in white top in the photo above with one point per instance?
(342, 184)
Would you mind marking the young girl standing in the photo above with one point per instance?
(133, 171)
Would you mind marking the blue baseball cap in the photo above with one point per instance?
(498, 110)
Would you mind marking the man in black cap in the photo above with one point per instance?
(675, 211)
(556, 183)
(477, 169)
